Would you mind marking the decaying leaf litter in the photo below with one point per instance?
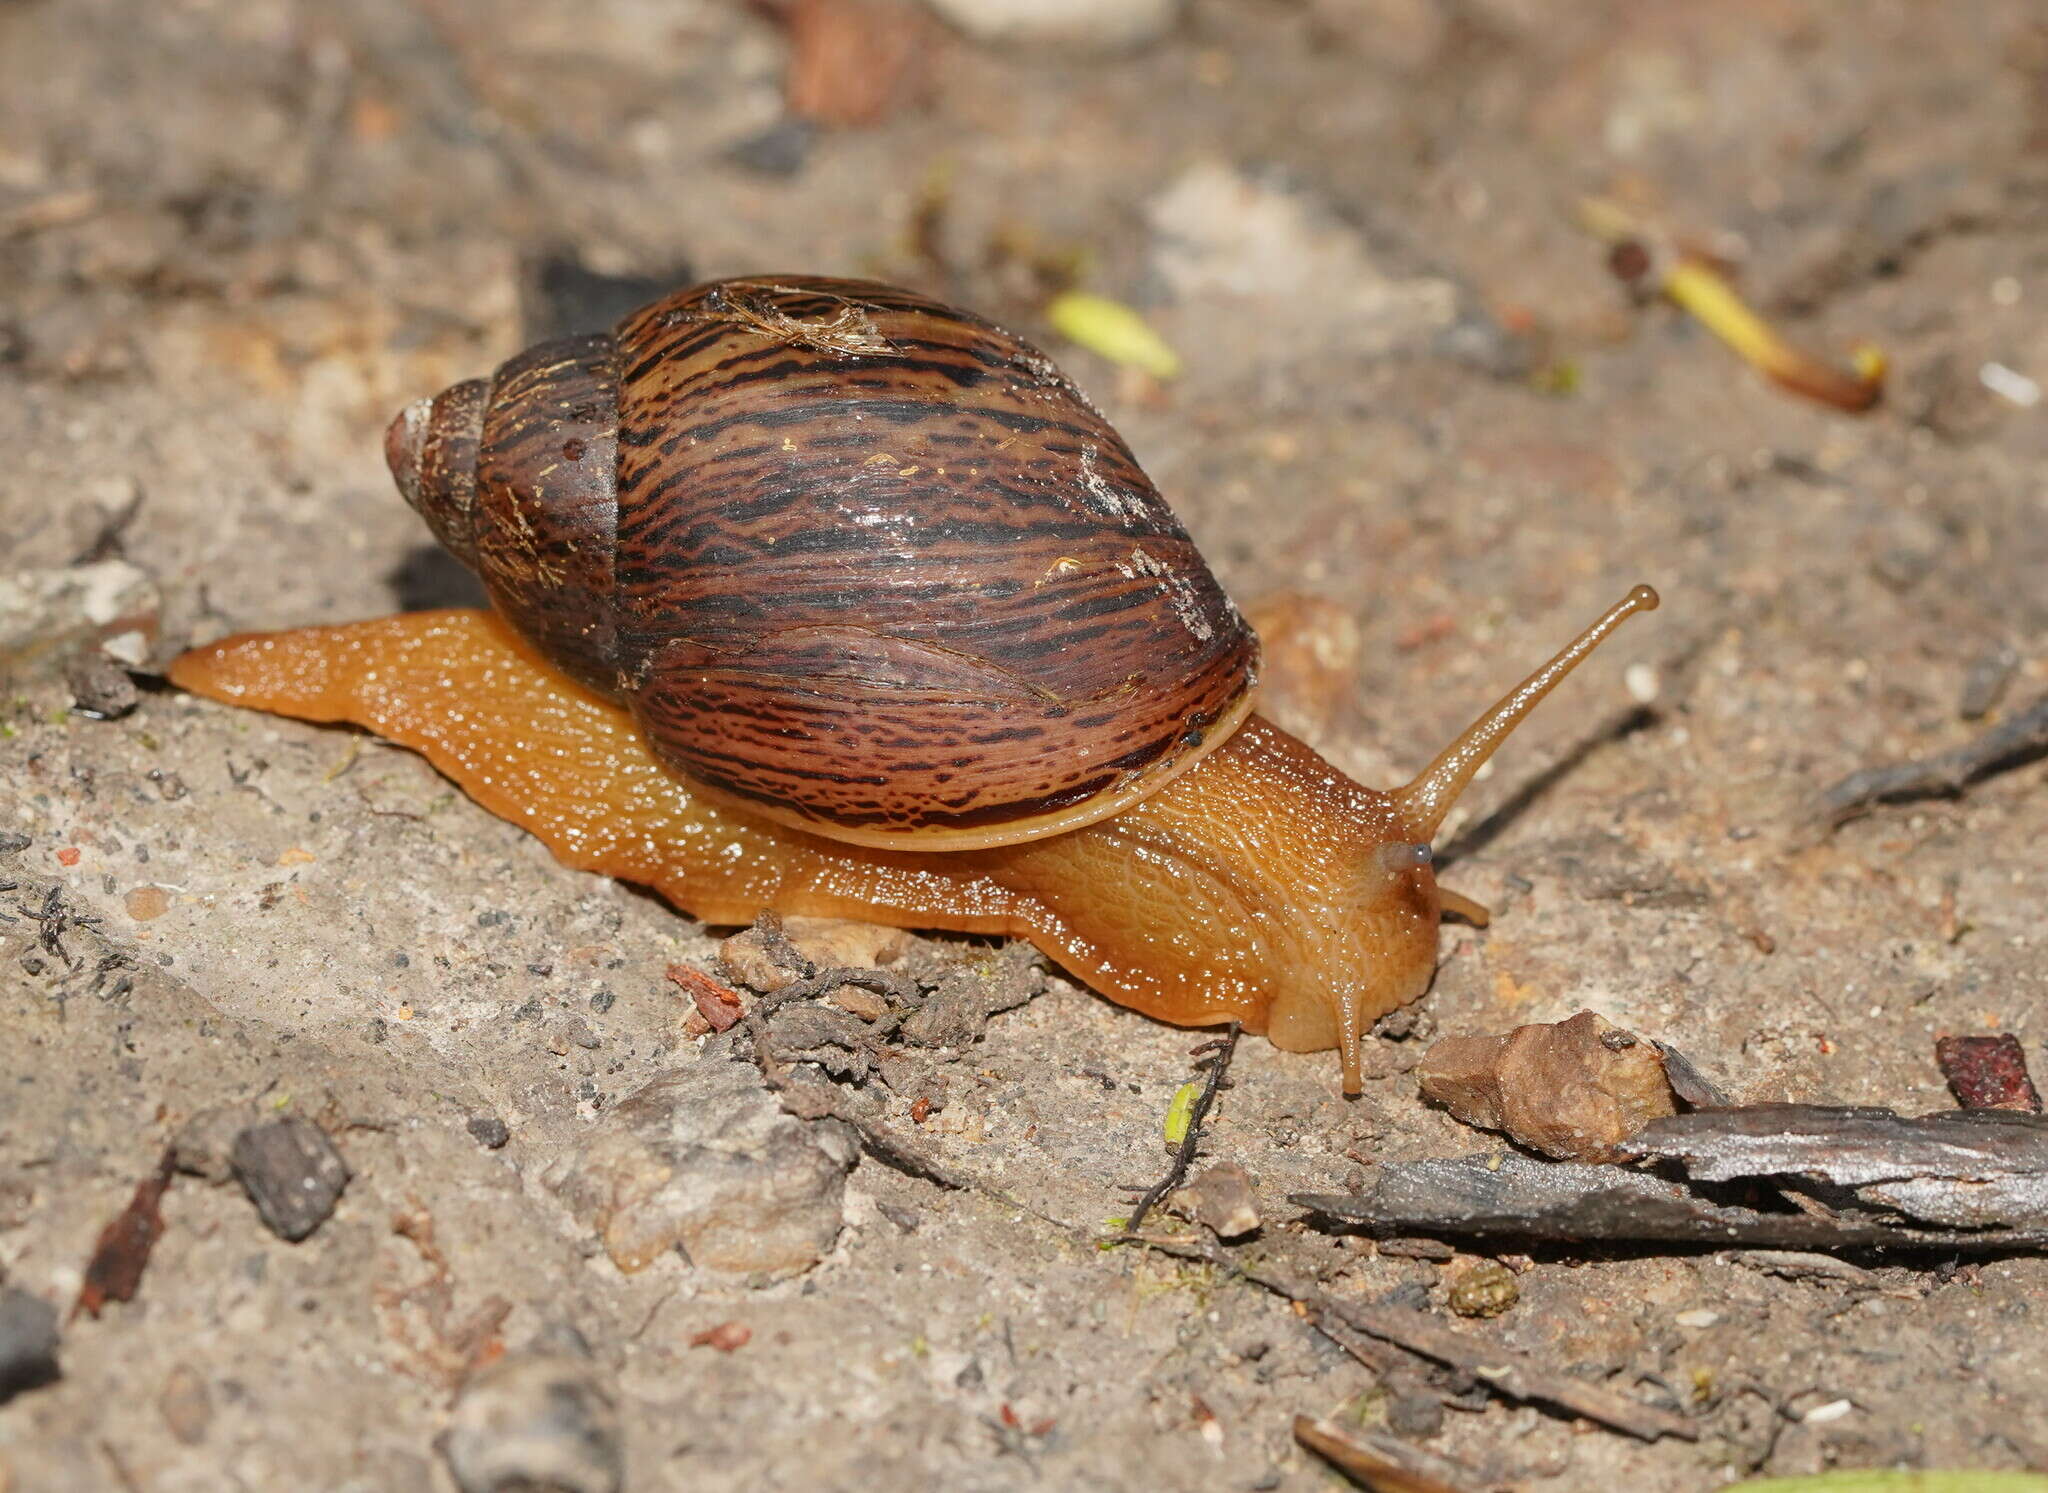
(1423, 355)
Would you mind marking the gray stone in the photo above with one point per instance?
(28, 1342)
(292, 1173)
(541, 1420)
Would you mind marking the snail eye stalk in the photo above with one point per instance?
(1403, 855)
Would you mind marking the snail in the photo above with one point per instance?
(822, 597)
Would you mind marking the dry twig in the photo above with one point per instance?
(2016, 739)
(1217, 1056)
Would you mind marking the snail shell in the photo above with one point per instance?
(855, 560)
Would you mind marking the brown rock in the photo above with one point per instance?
(703, 1158)
(147, 902)
(853, 62)
(1223, 1199)
(1574, 1089)
(186, 1405)
(202, 1145)
(829, 943)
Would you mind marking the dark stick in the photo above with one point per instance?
(106, 543)
(775, 943)
(1219, 1053)
(2015, 739)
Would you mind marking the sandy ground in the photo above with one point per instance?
(233, 238)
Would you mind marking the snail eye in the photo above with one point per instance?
(1402, 855)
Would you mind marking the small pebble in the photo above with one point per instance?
(292, 1173)
(1410, 1295)
(1223, 1199)
(726, 1337)
(1984, 684)
(1416, 1415)
(100, 688)
(203, 1145)
(1484, 1290)
(488, 1131)
(185, 1405)
(1697, 1317)
(538, 1419)
(28, 1342)
(705, 1158)
(782, 149)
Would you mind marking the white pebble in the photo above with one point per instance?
(2012, 386)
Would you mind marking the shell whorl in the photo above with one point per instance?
(869, 565)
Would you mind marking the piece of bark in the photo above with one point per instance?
(958, 1011)
(2016, 739)
(1367, 1459)
(1958, 1169)
(1820, 1179)
(1988, 1072)
(1514, 1197)
(717, 1005)
(1692, 1088)
(1572, 1089)
(115, 1271)
(829, 943)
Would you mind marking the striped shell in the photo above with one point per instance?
(857, 561)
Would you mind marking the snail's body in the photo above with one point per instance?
(823, 598)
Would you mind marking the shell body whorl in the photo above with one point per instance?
(857, 561)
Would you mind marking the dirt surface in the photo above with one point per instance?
(234, 238)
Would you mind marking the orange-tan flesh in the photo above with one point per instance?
(534, 748)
